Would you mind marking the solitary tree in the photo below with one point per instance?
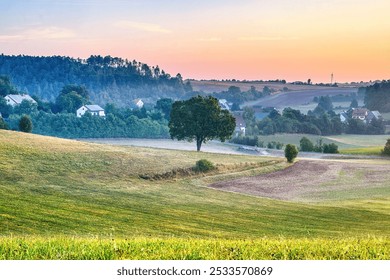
(290, 152)
(25, 124)
(201, 119)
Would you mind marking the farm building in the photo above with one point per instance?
(359, 113)
(373, 115)
(95, 110)
(16, 99)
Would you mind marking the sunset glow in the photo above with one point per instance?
(213, 39)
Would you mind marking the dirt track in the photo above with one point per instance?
(307, 180)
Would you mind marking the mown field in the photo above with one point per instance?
(62, 199)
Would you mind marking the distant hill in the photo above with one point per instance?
(108, 79)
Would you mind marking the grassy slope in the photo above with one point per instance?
(50, 186)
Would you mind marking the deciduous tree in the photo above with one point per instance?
(200, 119)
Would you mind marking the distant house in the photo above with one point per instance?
(344, 117)
(137, 104)
(16, 99)
(373, 115)
(362, 114)
(224, 104)
(95, 110)
(240, 125)
(359, 114)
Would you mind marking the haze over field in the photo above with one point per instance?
(292, 40)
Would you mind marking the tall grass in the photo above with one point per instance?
(194, 249)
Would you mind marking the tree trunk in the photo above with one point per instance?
(198, 144)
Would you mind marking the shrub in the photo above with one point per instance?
(248, 140)
(204, 165)
(25, 124)
(386, 149)
(275, 145)
(330, 148)
(290, 152)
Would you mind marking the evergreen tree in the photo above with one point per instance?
(290, 152)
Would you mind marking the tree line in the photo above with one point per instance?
(108, 79)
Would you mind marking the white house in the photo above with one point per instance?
(95, 110)
(224, 104)
(16, 99)
(137, 104)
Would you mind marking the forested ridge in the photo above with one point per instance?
(107, 79)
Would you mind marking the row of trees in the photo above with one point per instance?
(236, 96)
(124, 124)
(292, 121)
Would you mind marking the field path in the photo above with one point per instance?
(315, 180)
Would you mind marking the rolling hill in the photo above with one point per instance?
(58, 189)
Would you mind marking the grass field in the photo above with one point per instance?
(373, 151)
(348, 142)
(74, 195)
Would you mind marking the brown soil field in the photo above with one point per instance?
(315, 181)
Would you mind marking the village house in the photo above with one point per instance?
(362, 114)
(137, 104)
(373, 115)
(224, 104)
(359, 113)
(240, 125)
(17, 99)
(95, 110)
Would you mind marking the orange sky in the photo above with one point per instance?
(248, 39)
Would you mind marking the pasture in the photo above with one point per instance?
(60, 197)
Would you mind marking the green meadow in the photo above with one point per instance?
(64, 199)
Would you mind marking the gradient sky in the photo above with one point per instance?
(205, 39)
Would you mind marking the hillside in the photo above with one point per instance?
(108, 79)
(51, 186)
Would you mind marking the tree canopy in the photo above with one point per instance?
(377, 96)
(108, 79)
(25, 124)
(201, 119)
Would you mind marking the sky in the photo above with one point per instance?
(211, 39)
